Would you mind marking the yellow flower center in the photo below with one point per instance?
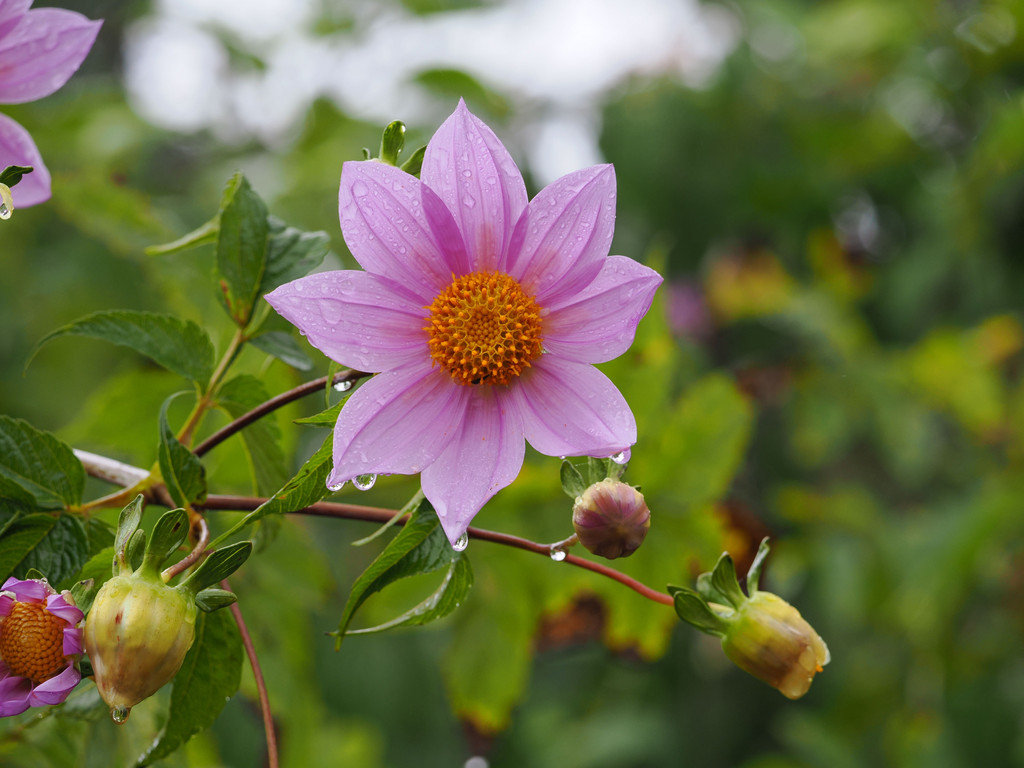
(484, 329)
(32, 642)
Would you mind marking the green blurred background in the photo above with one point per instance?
(835, 194)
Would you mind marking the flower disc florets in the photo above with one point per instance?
(484, 329)
(40, 641)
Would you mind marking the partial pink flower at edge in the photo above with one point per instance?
(40, 643)
(39, 51)
(483, 314)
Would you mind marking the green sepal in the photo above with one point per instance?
(754, 572)
(725, 583)
(326, 418)
(136, 550)
(167, 535)
(127, 524)
(35, 575)
(12, 174)
(207, 233)
(217, 567)
(391, 142)
(212, 599)
(414, 164)
(694, 610)
(83, 592)
(573, 484)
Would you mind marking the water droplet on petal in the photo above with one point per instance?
(120, 714)
(622, 456)
(558, 555)
(342, 386)
(364, 482)
(468, 201)
(461, 543)
(335, 488)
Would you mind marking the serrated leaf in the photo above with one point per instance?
(37, 469)
(21, 536)
(262, 438)
(420, 547)
(284, 347)
(291, 253)
(180, 346)
(127, 524)
(209, 676)
(218, 566)
(207, 233)
(573, 484)
(446, 598)
(167, 535)
(692, 609)
(181, 469)
(61, 554)
(241, 248)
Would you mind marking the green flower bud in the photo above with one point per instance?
(611, 519)
(137, 635)
(767, 637)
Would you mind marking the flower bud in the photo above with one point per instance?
(611, 519)
(137, 635)
(768, 638)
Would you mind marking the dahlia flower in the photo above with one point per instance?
(39, 50)
(482, 314)
(40, 641)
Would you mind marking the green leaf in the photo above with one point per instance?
(725, 583)
(37, 469)
(218, 566)
(12, 174)
(291, 253)
(210, 600)
(180, 346)
(241, 248)
(420, 547)
(97, 570)
(442, 601)
(284, 347)
(207, 233)
(261, 438)
(21, 535)
(209, 676)
(693, 609)
(127, 524)
(181, 469)
(573, 483)
(60, 554)
(326, 418)
(167, 535)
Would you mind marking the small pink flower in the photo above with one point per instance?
(483, 313)
(39, 50)
(40, 641)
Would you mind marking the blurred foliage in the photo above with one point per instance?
(835, 360)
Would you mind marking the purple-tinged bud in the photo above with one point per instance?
(611, 519)
(137, 635)
(768, 638)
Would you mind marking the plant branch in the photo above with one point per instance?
(261, 686)
(196, 523)
(378, 515)
(203, 404)
(271, 405)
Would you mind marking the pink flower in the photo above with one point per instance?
(40, 641)
(39, 51)
(482, 313)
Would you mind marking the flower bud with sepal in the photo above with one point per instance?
(762, 634)
(611, 519)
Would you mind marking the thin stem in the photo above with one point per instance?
(261, 686)
(196, 523)
(203, 404)
(378, 515)
(271, 405)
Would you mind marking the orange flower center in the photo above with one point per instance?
(32, 642)
(484, 329)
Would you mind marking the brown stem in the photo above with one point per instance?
(271, 405)
(377, 515)
(261, 686)
(196, 523)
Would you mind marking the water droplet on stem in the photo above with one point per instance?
(342, 386)
(558, 555)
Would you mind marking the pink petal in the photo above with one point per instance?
(56, 689)
(72, 642)
(358, 319)
(564, 234)
(59, 606)
(17, 148)
(572, 409)
(14, 693)
(397, 422)
(11, 12)
(469, 167)
(397, 227)
(483, 457)
(6, 601)
(28, 590)
(599, 323)
(42, 52)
